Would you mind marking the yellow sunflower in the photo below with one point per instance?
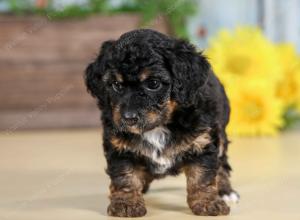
(289, 87)
(262, 80)
(244, 53)
(255, 109)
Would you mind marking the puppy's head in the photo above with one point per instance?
(140, 79)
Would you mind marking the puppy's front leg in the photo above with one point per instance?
(126, 199)
(203, 198)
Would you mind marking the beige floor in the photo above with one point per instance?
(60, 175)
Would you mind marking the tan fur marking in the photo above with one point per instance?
(223, 182)
(144, 75)
(201, 141)
(190, 142)
(116, 114)
(196, 191)
(203, 196)
(126, 199)
(119, 77)
(119, 143)
(171, 106)
(152, 116)
(134, 129)
(144, 177)
(131, 182)
(221, 147)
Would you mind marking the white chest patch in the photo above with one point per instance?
(158, 138)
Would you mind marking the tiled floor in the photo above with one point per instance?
(60, 175)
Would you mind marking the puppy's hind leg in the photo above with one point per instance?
(223, 182)
(203, 198)
(223, 174)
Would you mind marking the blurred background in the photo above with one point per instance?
(46, 44)
(51, 159)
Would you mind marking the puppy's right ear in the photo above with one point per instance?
(95, 71)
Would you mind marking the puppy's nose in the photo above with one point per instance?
(131, 117)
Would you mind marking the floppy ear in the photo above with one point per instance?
(95, 71)
(190, 71)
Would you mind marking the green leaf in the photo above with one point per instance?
(291, 117)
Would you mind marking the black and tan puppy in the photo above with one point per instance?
(163, 112)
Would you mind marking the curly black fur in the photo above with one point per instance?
(190, 102)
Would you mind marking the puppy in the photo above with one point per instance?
(163, 112)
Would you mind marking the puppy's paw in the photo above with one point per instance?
(210, 208)
(123, 208)
(232, 197)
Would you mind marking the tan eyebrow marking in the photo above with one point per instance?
(119, 77)
(144, 74)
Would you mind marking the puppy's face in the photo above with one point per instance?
(139, 101)
(141, 78)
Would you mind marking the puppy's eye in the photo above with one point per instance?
(118, 87)
(153, 84)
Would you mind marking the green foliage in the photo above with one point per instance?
(19, 7)
(175, 12)
(291, 118)
(79, 11)
(97, 6)
(71, 11)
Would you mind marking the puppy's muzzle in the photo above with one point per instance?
(130, 117)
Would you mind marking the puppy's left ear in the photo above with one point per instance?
(190, 71)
